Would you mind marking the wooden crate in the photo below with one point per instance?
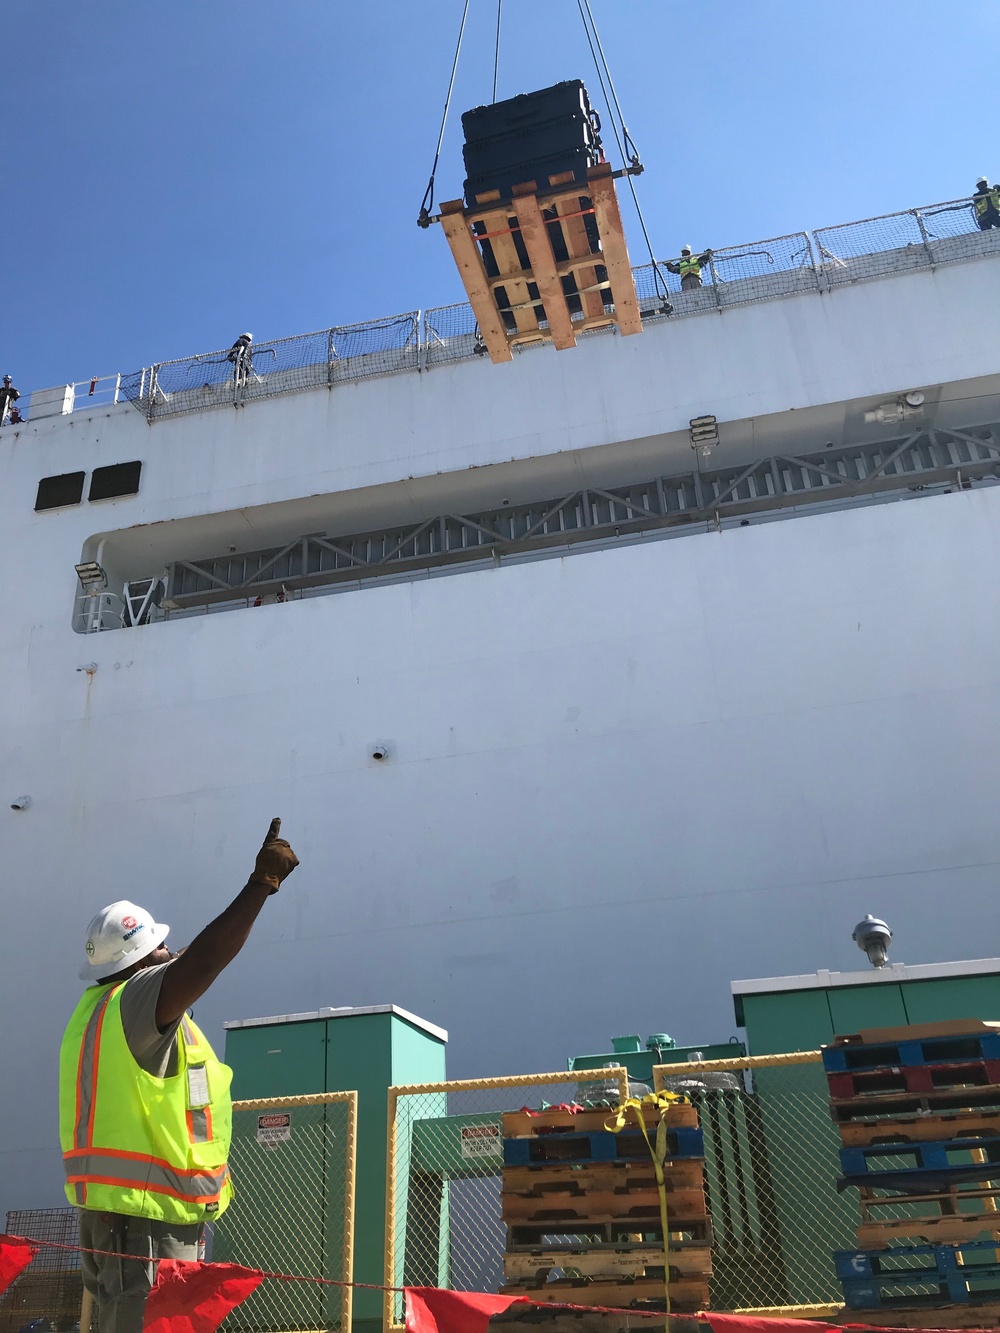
(527, 298)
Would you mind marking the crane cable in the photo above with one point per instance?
(623, 140)
(496, 54)
(424, 218)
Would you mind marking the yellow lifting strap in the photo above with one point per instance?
(658, 1152)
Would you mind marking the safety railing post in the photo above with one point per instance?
(816, 259)
(152, 393)
(331, 356)
(715, 281)
(421, 343)
(924, 236)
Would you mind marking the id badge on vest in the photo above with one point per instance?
(197, 1081)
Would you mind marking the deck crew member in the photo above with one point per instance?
(688, 267)
(145, 1117)
(8, 397)
(241, 355)
(986, 203)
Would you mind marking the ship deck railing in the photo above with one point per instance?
(816, 261)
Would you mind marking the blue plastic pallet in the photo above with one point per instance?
(854, 1056)
(597, 1147)
(855, 1265)
(952, 1289)
(933, 1156)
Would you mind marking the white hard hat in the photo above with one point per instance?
(119, 935)
(983, 180)
(687, 248)
(248, 336)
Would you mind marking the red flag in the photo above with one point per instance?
(745, 1323)
(189, 1297)
(434, 1310)
(16, 1254)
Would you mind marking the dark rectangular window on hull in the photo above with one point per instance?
(106, 483)
(55, 492)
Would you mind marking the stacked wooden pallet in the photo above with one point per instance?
(918, 1109)
(548, 264)
(583, 1212)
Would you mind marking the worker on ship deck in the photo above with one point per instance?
(8, 397)
(241, 355)
(145, 1116)
(986, 204)
(689, 267)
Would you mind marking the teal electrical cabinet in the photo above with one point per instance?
(340, 1050)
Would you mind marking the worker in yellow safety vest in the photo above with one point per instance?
(689, 267)
(986, 203)
(145, 1117)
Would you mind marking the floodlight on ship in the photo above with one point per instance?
(704, 433)
(93, 578)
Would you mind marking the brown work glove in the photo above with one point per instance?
(275, 860)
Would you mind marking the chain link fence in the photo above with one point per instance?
(293, 1167)
(50, 1290)
(771, 1169)
(444, 1162)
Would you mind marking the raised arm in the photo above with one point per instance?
(191, 973)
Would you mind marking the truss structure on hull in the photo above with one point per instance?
(922, 460)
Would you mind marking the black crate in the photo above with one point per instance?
(527, 109)
(575, 160)
(551, 138)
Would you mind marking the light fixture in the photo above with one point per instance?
(872, 937)
(92, 576)
(704, 433)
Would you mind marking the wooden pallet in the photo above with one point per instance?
(520, 292)
(952, 1027)
(617, 1177)
(920, 1128)
(529, 1124)
(936, 1317)
(606, 1261)
(638, 1206)
(685, 1294)
(684, 1233)
(948, 1229)
(896, 1104)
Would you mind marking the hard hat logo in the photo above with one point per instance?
(119, 936)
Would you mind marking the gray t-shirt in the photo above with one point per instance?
(154, 1050)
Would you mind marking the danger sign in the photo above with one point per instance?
(481, 1141)
(274, 1128)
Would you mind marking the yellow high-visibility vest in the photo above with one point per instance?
(690, 265)
(991, 199)
(133, 1143)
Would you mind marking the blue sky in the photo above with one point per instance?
(177, 173)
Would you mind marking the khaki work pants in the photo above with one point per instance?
(120, 1286)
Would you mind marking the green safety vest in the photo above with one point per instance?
(991, 199)
(690, 266)
(135, 1144)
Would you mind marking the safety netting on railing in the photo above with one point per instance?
(292, 1162)
(248, 373)
(730, 276)
(898, 242)
(445, 1225)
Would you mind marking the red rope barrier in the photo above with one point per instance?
(700, 1317)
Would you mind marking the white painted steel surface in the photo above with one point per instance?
(615, 780)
